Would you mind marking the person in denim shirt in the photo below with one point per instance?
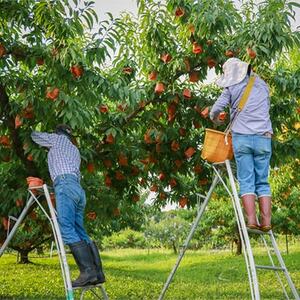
(64, 163)
(251, 138)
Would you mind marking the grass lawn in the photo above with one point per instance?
(137, 274)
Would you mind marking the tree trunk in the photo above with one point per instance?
(238, 243)
(24, 257)
(174, 247)
(231, 246)
(287, 244)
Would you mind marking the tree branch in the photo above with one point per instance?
(9, 122)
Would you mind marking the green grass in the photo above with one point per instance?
(137, 274)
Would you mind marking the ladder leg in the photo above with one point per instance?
(54, 233)
(239, 231)
(51, 249)
(60, 247)
(103, 291)
(82, 294)
(273, 265)
(282, 264)
(57, 237)
(188, 239)
(16, 225)
(242, 224)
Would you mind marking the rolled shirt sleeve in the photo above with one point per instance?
(220, 104)
(43, 139)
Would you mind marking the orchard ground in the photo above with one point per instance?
(140, 274)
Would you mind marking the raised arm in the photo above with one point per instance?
(220, 104)
(43, 139)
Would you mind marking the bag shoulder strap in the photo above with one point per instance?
(246, 93)
(242, 103)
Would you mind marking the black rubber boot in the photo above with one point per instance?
(85, 262)
(97, 262)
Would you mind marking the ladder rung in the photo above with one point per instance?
(257, 231)
(88, 287)
(270, 268)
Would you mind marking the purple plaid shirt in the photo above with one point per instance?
(63, 156)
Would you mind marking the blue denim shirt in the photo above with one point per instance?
(254, 117)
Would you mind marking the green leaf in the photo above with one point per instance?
(264, 49)
(94, 14)
(294, 4)
(110, 15)
(87, 19)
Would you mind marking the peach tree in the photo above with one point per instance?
(134, 91)
(159, 73)
(51, 55)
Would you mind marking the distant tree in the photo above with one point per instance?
(170, 231)
(217, 227)
(125, 238)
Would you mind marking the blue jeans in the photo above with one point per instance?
(70, 204)
(252, 155)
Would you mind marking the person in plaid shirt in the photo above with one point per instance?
(64, 168)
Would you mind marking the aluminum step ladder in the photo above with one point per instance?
(221, 169)
(36, 195)
(279, 266)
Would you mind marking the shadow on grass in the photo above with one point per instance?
(195, 271)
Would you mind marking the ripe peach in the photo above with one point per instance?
(251, 53)
(159, 88)
(179, 12)
(77, 71)
(152, 76)
(197, 49)
(166, 57)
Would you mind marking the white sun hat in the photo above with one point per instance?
(235, 71)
